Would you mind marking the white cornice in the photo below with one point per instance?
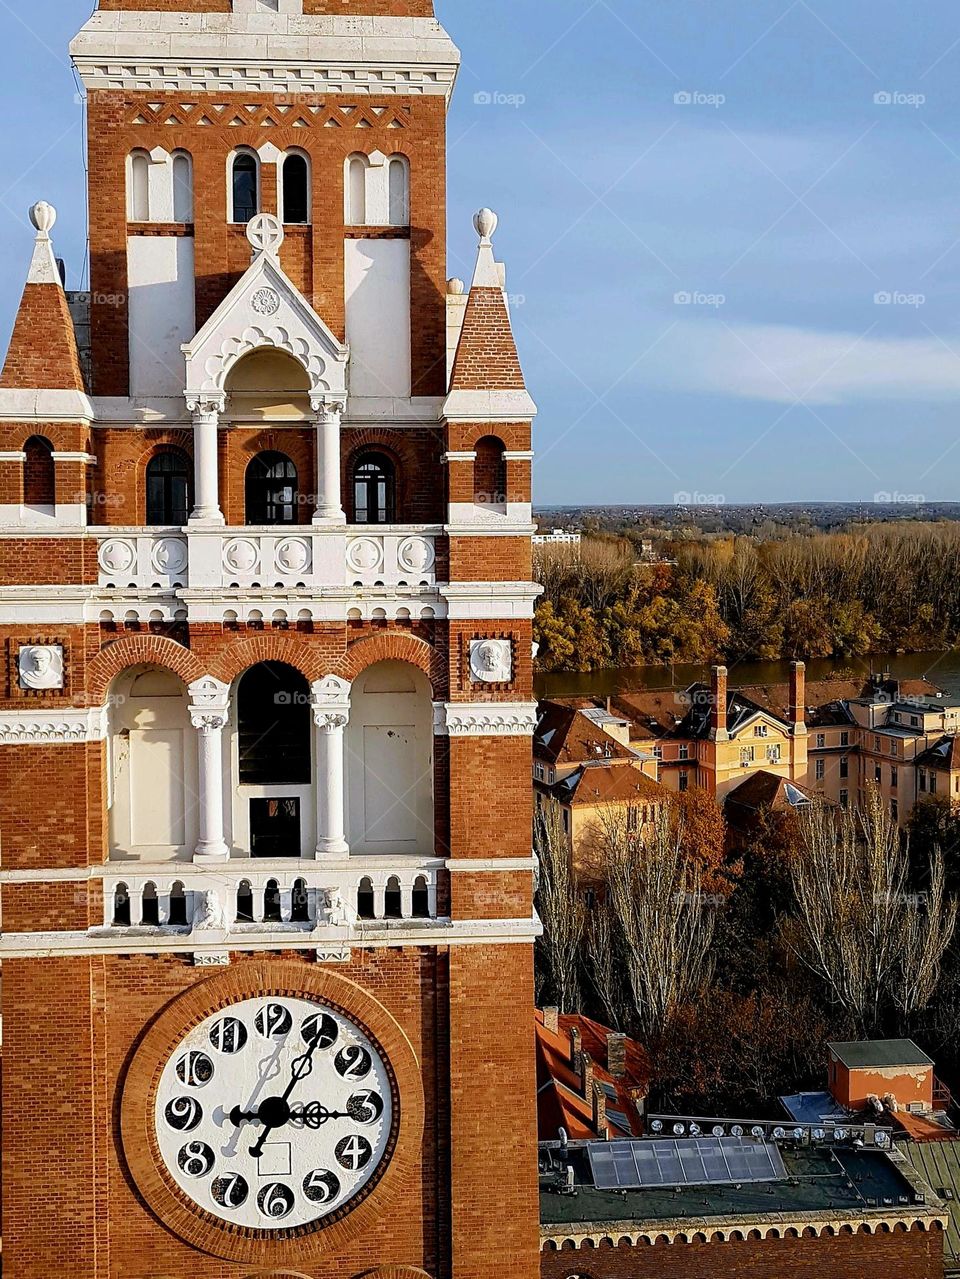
(262, 52)
(485, 719)
(34, 727)
(44, 406)
(489, 406)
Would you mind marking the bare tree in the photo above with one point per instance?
(561, 908)
(873, 944)
(663, 921)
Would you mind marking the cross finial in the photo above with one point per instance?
(265, 233)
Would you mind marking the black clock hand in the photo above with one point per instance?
(277, 1108)
(312, 1114)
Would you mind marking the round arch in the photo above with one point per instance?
(139, 650)
(269, 646)
(394, 646)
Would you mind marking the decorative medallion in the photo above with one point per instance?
(116, 556)
(241, 555)
(265, 301)
(293, 555)
(416, 555)
(491, 661)
(40, 665)
(364, 554)
(169, 555)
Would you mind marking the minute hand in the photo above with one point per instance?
(299, 1069)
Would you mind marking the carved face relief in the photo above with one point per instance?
(40, 666)
(491, 661)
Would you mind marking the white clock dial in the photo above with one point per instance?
(274, 1112)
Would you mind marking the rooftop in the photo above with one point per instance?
(560, 1100)
(601, 784)
(567, 735)
(818, 1179)
(879, 1054)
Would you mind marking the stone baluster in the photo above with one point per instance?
(329, 509)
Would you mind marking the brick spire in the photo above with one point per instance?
(42, 355)
(486, 358)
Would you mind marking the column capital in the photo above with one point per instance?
(330, 721)
(206, 721)
(206, 404)
(327, 408)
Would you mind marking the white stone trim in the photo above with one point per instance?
(485, 719)
(45, 406)
(490, 601)
(459, 455)
(87, 459)
(261, 52)
(12, 455)
(518, 455)
(37, 727)
(489, 406)
(469, 519)
(366, 936)
(506, 865)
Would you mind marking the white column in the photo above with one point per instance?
(329, 508)
(206, 412)
(330, 736)
(209, 701)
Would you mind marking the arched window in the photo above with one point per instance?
(121, 906)
(274, 725)
(39, 482)
(244, 902)
(138, 187)
(392, 899)
(356, 190)
(150, 906)
(245, 187)
(374, 489)
(271, 902)
(271, 490)
(365, 898)
(182, 187)
(421, 898)
(398, 190)
(490, 473)
(168, 487)
(178, 905)
(296, 188)
(300, 902)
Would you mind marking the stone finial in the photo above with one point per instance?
(486, 223)
(43, 216)
(456, 287)
(265, 233)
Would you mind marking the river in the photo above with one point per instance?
(943, 669)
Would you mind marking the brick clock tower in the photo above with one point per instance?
(265, 560)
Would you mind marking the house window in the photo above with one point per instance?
(684, 780)
(746, 754)
(844, 767)
(245, 187)
(844, 738)
(877, 744)
(923, 779)
(374, 490)
(296, 189)
(819, 770)
(138, 187)
(759, 730)
(538, 772)
(168, 488)
(773, 754)
(271, 490)
(894, 777)
(684, 752)
(914, 721)
(658, 752)
(490, 473)
(566, 820)
(933, 783)
(274, 730)
(894, 746)
(355, 190)
(821, 740)
(633, 819)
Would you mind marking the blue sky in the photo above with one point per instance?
(732, 232)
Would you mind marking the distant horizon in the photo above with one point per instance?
(735, 506)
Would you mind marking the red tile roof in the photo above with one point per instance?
(564, 735)
(560, 1103)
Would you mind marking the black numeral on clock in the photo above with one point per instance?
(365, 1107)
(353, 1062)
(273, 1021)
(353, 1153)
(230, 1192)
(194, 1069)
(320, 1029)
(183, 1113)
(275, 1200)
(196, 1159)
(228, 1035)
(321, 1186)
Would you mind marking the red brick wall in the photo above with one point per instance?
(313, 256)
(899, 1255)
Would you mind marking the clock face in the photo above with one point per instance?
(274, 1112)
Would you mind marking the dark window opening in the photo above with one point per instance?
(490, 473)
(150, 906)
(39, 483)
(244, 903)
(273, 715)
(421, 900)
(275, 827)
(121, 906)
(244, 188)
(365, 899)
(374, 490)
(392, 901)
(271, 902)
(178, 905)
(300, 902)
(271, 490)
(168, 488)
(296, 200)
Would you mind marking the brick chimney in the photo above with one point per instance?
(617, 1054)
(798, 696)
(586, 1075)
(599, 1099)
(551, 1019)
(575, 1053)
(718, 704)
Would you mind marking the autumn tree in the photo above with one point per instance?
(561, 909)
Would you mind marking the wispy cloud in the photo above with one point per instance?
(782, 364)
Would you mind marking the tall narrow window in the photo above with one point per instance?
(245, 182)
(374, 489)
(271, 490)
(399, 191)
(356, 190)
(182, 187)
(39, 483)
(274, 724)
(296, 189)
(168, 488)
(138, 192)
(490, 473)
